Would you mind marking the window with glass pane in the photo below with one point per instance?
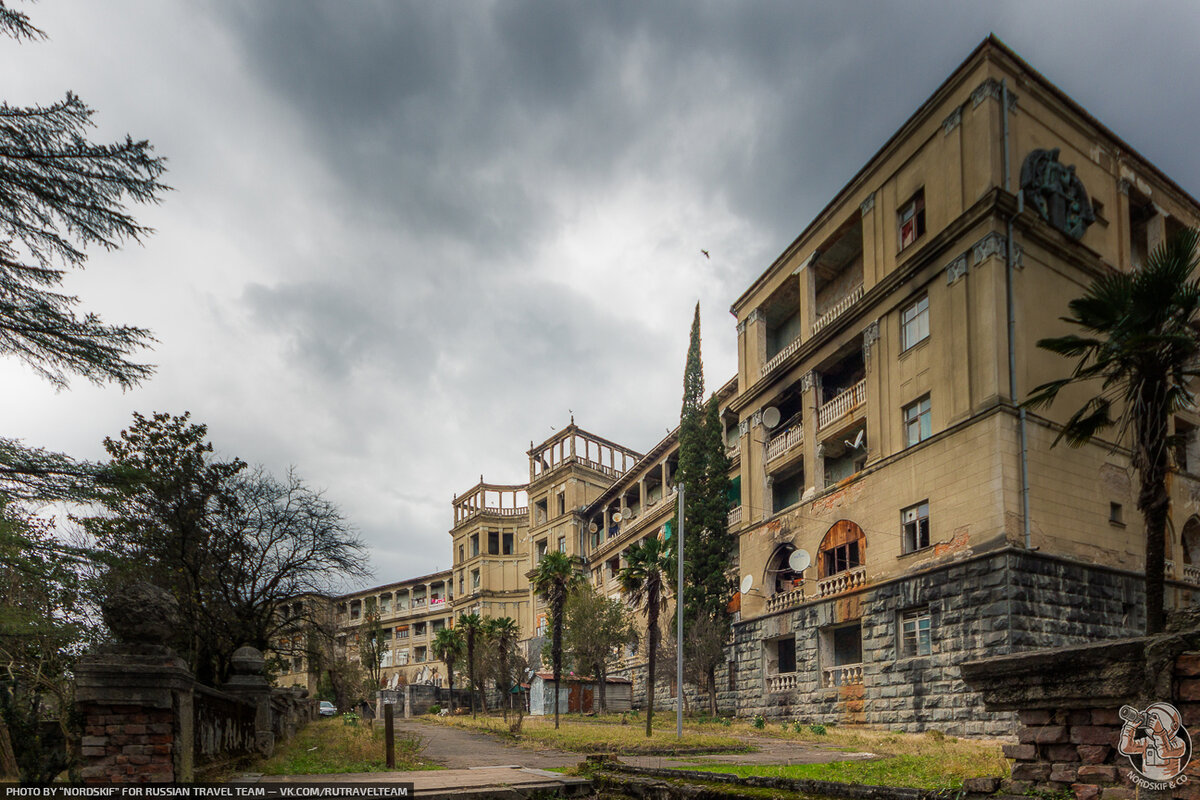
(915, 639)
(914, 323)
(917, 422)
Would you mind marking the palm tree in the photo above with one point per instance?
(471, 625)
(504, 632)
(1141, 343)
(553, 579)
(448, 648)
(643, 580)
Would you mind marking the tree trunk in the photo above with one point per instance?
(450, 681)
(602, 674)
(652, 636)
(556, 656)
(1154, 502)
(712, 691)
(8, 761)
(471, 667)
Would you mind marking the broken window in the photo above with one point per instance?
(841, 548)
(474, 544)
(912, 219)
(541, 549)
(494, 543)
(562, 544)
(508, 544)
(474, 580)
(914, 527)
(786, 651)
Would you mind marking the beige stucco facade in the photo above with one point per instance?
(874, 422)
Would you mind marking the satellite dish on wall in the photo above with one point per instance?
(770, 417)
(626, 513)
(593, 527)
(799, 560)
(616, 517)
(747, 582)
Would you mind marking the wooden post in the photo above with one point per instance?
(389, 736)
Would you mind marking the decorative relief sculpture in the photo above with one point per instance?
(1056, 193)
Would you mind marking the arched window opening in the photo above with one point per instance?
(1191, 541)
(781, 578)
(842, 549)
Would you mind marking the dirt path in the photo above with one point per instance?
(458, 749)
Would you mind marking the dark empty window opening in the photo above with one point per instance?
(508, 544)
(494, 543)
(1116, 514)
(540, 511)
(785, 491)
(562, 503)
(786, 652)
(847, 645)
(474, 544)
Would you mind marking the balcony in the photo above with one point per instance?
(735, 517)
(1191, 574)
(844, 675)
(785, 441)
(842, 582)
(785, 600)
(780, 357)
(839, 308)
(843, 404)
(782, 683)
(733, 451)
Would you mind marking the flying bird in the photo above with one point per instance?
(706, 255)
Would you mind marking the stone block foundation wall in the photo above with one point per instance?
(981, 605)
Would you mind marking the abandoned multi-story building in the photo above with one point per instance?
(897, 511)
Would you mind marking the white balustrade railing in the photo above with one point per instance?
(782, 683)
(1191, 573)
(733, 451)
(841, 405)
(785, 441)
(735, 516)
(845, 675)
(780, 357)
(842, 582)
(838, 309)
(785, 600)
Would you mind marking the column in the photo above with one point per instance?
(814, 462)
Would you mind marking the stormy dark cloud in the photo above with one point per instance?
(408, 238)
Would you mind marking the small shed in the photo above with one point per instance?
(579, 694)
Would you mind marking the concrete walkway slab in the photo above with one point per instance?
(501, 782)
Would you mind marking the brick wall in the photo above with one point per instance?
(127, 744)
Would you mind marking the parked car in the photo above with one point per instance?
(327, 709)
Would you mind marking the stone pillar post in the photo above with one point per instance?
(135, 697)
(248, 683)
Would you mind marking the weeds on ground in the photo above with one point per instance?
(325, 746)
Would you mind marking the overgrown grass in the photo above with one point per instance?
(329, 746)
(580, 736)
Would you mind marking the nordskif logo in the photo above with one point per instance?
(1157, 744)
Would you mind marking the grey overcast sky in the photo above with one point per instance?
(408, 238)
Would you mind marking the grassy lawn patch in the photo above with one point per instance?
(580, 736)
(329, 745)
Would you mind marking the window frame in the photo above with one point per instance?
(913, 209)
(911, 643)
(923, 418)
(920, 314)
(913, 544)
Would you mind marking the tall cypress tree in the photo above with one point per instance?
(704, 473)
